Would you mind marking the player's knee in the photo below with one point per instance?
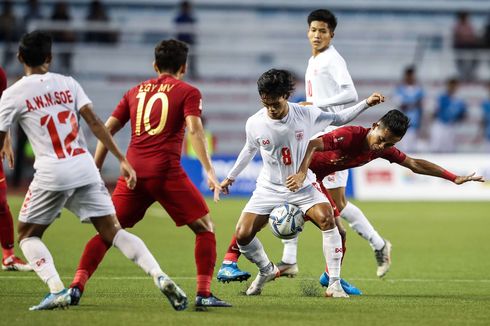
(204, 224)
(326, 222)
(243, 235)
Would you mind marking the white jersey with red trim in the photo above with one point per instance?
(47, 109)
(326, 74)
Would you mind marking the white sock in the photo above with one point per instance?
(254, 251)
(290, 251)
(39, 257)
(135, 249)
(359, 223)
(332, 250)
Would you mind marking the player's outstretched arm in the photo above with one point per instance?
(349, 114)
(6, 151)
(103, 135)
(295, 181)
(198, 142)
(113, 125)
(428, 168)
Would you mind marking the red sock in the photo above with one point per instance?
(6, 226)
(233, 253)
(92, 255)
(205, 255)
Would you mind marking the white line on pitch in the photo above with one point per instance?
(401, 280)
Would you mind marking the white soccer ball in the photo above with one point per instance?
(286, 221)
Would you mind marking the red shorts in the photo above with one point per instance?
(177, 195)
(3, 180)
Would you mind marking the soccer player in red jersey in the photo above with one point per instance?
(159, 109)
(352, 146)
(9, 261)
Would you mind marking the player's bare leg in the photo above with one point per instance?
(205, 256)
(322, 216)
(250, 246)
(134, 249)
(39, 257)
(359, 223)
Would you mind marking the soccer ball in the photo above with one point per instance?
(286, 221)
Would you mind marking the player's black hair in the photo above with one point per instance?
(409, 70)
(35, 48)
(275, 83)
(325, 16)
(396, 122)
(170, 55)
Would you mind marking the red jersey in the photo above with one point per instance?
(157, 109)
(3, 81)
(3, 86)
(344, 149)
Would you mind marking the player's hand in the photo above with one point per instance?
(295, 182)
(305, 103)
(128, 173)
(375, 99)
(225, 184)
(214, 185)
(8, 153)
(462, 179)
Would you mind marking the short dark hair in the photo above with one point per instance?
(396, 122)
(170, 55)
(325, 16)
(409, 70)
(275, 83)
(35, 48)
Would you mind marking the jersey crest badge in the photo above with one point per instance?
(299, 135)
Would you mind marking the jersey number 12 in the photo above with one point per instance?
(63, 117)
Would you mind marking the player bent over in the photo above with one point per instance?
(280, 131)
(353, 146)
(10, 262)
(47, 107)
(158, 110)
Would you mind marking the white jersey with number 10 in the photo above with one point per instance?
(47, 109)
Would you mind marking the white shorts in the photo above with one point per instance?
(336, 180)
(44, 206)
(264, 200)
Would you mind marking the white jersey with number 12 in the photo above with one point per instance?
(47, 109)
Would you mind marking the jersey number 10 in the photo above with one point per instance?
(144, 110)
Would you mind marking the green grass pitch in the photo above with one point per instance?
(439, 276)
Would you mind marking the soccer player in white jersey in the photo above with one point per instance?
(281, 131)
(329, 86)
(47, 107)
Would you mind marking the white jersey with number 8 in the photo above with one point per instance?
(47, 109)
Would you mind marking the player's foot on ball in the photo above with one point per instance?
(231, 273)
(75, 295)
(335, 290)
(210, 301)
(174, 294)
(13, 263)
(54, 300)
(383, 258)
(288, 270)
(258, 284)
(348, 288)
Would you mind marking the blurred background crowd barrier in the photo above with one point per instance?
(439, 50)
